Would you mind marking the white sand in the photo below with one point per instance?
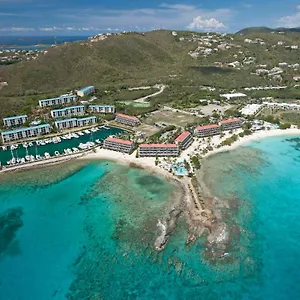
(256, 136)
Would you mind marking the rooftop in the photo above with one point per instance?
(12, 118)
(127, 117)
(70, 107)
(207, 127)
(158, 146)
(182, 136)
(25, 129)
(66, 120)
(86, 88)
(119, 141)
(230, 121)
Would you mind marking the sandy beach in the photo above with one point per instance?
(254, 137)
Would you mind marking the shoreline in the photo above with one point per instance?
(254, 137)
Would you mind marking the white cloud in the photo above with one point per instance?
(16, 29)
(290, 21)
(298, 7)
(167, 16)
(210, 24)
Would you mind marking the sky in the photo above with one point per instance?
(88, 17)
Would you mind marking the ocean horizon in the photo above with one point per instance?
(36, 42)
(86, 231)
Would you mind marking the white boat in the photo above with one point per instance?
(87, 132)
(47, 155)
(30, 144)
(69, 151)
(4, 148)
(98, 142)
(65, 151)
(57, 153)
(38, 157)
(80, 133)
(82, 146)
(42, 143)
(22, 160)
(104, 127)
(76, 136)
(32, 158)
(93, 129)
(37, 143)
(27, 157)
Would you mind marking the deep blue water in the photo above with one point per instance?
(89, 234)
(32, 42)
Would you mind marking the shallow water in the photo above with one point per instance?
(89, 234)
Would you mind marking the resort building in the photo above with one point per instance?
(184, 140)
(86, 121)
(15, 121)
(127, 120)
(234, 96)
(24, 133)
(231, 124)
(119, 145)
(208, 130)
(61, 100)
(154, 150)
(68, 112)
(86, 91)
(74, 122)
(102, 109)
(66, 124)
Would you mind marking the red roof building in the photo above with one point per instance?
(153, 150)
(231, 124)
(119, 145)
(207, 130)
(127, 120)
(184, 140)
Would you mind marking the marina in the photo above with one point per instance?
(46, 148)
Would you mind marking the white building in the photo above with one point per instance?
(24, 133)
(86, 91)
(251, 109)
(61, 100)
(74, 122)
(102, 109)
(68, 112)
(234, 96)
(82, 122)
(15, 121)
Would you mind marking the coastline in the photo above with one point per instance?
(255, 137)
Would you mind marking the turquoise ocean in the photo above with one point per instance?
(85, 230)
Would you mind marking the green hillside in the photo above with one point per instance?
(180, 61)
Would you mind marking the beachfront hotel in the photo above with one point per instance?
(119, 145)
(184, 140)
(102, 109)
(127, 120)
(231, 124)
(208, 130)
(155, 150)
(61, 100)
(15, 121)
(88, 90)
(74, 122)
(24, 133)
(68, 112)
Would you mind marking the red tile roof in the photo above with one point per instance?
(158, 146)
(119, 141)
(127, 117)
(182, 136)
(230, 121)
(207, 127)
